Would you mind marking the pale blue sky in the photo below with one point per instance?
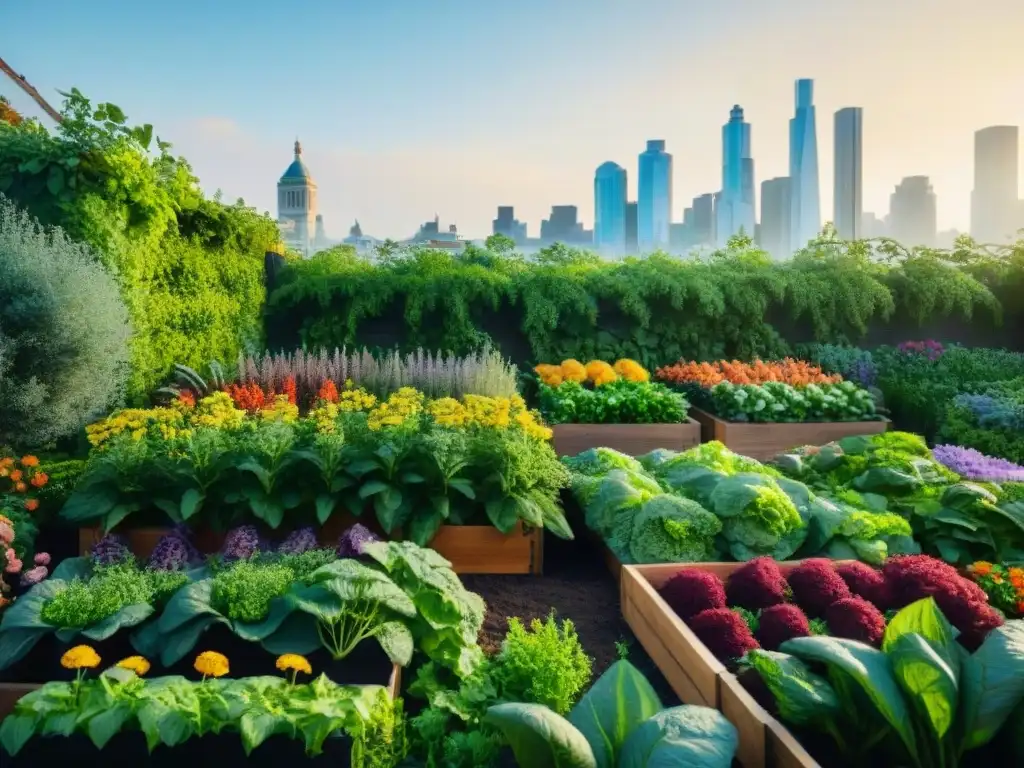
(410, 107)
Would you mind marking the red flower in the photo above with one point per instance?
(290, 390)
(39, 479)
(187, 398)
(328, 392)
(691, 591)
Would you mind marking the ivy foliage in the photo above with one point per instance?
(189, 268)
(565, 302)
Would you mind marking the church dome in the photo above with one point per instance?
(297, 172)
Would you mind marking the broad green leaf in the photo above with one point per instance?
(186, 604)
(424, 526)
(118, 513)
(129, 616)
(325, 504)
(191, 502)
(694, 737)
(924, 618)
(59, 723)
(397, 642)
(503, 514)
(279, 609)
(15, 731)
(803, 698)
(256, 728)
(617, 703)
(540, 738)
(72, 568)
(177, 644)
(992, 680)
(870, 669)
(297, 634)
(91, 502)
(174, 727)
(104, 726)
(462, 486)
(268, 509)
(927, 679)
(372, 488)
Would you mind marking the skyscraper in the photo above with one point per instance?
(805, 207)
(912, 212)
(610, 208)
(654, 200)
(631, 226)
(775, 219)
(507, 224)
(848, 197)
(995, 208)
(736, 208)
(563, 226)
(704, 219)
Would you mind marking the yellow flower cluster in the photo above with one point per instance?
(488, 412)
(136, 421)
(293, 662)
(80, 657)
(211, 664)
(280, 410)
(218, 411)
(325, 417)
(356, 399)
(397, 409)
(596, 372)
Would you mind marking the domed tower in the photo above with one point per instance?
(296, 205)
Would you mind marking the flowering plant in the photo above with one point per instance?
(596, 373)
(974, 465)
(1003, 585)
(796, 373)
(930, 348)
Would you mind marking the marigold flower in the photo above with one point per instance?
(573, 370)
(6, 461)
(187, 399)
(39, 479)
(29, 461)
(981, 568)
(293, 662)
(31, 504)
(80, 657)
(211, 664)
(16, 475)
(20, 487)
(137, 664)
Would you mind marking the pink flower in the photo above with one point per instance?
(13, 563)
(35, 575)
(6, 533)
(41, 558)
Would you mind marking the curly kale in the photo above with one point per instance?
(604, 500)
(758, 518)
(671, 529)
(600, 461)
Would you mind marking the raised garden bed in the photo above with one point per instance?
(765, 441)
(469, 548)
(631, 439)
(695, 674)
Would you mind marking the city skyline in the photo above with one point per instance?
(528, 121)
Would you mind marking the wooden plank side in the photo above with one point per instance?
(631, 439)
(484, 549)
(10, 693)
(784, 751)
(765, 441)
(690, 668)
(750, 719)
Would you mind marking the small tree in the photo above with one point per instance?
(63, 333)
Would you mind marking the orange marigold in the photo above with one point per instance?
(20, 487)
(248, 397)
(31, 504)
(573, 370)
(39, 479)
(797, 373)
(16, 475)
(29, 461)
(981, 568)
(187, 398)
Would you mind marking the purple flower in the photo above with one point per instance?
(173, 552)
(974, 465)
(109, 550)
(299, 541)
(931, 349)
(34, 575)
(354, 539)
(241, 543)
(41, 558)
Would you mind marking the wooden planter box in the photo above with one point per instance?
(766, 441)
(695, 674)
(470, 548)
(631, 439)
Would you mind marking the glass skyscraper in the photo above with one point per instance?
(736, 205)
(610, 208)
(805, 212)
(848, 207)
(654, 201)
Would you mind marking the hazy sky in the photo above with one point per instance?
(410, 107)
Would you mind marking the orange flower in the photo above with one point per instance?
(289, 389)
(39, 479)
(29, 461)
(328, 392)
(981, 568)
(796, 373)
(6, 461)
(20, 487)
(31, 504)
(187, 398)
(16, 475)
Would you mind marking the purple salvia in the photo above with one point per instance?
(974, 465)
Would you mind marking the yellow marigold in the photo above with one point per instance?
(448, 412)
(1015, 573)
(136, 664)
(80, 657)
(293, 662)
(211, 664)
(549, 374)
(600, 372)
(218, 410)
(631, 370)
(280, 410)
(573, 370)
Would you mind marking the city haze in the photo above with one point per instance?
(457, 107)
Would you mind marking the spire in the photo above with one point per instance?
(298, 148)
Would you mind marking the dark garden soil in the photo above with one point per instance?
(576, 585)
(214, 751)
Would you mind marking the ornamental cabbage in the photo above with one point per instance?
(758, 518)
(607, 498)
(600, 461)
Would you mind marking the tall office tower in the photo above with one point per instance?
(912, 212)
(736, 206)
(805, 208)
(631, 226)
(610, 208)
(654, 199)
(775, 219)
(563, 226)
(704, 219)
(716, 203)
(848, 195)
(507, 224)
(995, 208)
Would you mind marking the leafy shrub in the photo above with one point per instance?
(63, 333)
(991, 421)
(619, 402)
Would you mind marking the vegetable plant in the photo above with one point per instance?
(619, 722)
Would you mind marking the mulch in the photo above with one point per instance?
(576, 585)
